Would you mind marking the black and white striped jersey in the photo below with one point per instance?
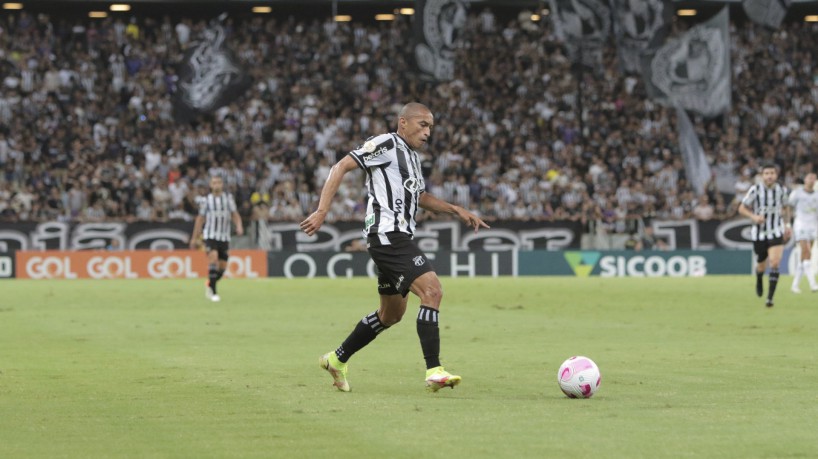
(770, 203)
(218, 214)
(394, 182)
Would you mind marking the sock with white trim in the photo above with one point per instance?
(429, 334)
(365, 331)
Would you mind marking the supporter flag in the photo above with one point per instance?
(768, 13)
(584, 27)
(639, 25)
(693, 71)
(438, 24)
(697, 168)
(210, 76)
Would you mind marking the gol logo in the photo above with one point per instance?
(160, 267)
(49, 268)
(241, 266)
(110, 268)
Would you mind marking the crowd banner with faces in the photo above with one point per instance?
(584, 26)
(438, 31)
(639, 26)
(692, 71)
(769, 13)
(210, 76)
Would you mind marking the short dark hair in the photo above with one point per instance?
(769, 165)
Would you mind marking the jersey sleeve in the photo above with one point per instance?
(376, 151)
(792, 200)
(231, 204)
(203, 206)
(749, 197)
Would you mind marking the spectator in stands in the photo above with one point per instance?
(100, 106)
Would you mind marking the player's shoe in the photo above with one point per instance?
(437, 378)
(337, 369)
(769, 303)
(795, 289)
(759, 289)
(215, 298)
(208, 291)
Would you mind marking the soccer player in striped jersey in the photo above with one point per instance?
(804, 202)
(396, 190)
(765, 205)
(216, 211)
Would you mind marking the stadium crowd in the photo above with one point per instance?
(87, 130)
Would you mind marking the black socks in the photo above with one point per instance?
(429, 334)
(365, 331)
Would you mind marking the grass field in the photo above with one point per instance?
(691, 368)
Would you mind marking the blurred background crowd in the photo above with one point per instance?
(87, 130)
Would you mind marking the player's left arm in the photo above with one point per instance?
(197, 231)
(429, 202)
(237, 222)
(786, 214)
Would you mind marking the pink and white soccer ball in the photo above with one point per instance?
(579, 377)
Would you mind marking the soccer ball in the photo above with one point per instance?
(579, 377)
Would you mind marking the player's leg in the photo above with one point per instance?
(802, 268)
(221, 267)
(371, 325)
(428, 288)
(806, 264)
(212, 270)
(391, 310)
(775, 253)
(760, 249)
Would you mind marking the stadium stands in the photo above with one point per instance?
(87, 131)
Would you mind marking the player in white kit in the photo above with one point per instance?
(805, 203)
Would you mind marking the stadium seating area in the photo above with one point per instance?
(87, 132)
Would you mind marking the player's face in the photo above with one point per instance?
(417, 128)
(809, 181)
(769, 175)
(216, 184)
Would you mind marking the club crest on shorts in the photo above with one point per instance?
(419, 260)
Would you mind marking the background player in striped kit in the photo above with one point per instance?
(216, 211)
(764, 204)
(804, 202)
(396, 190)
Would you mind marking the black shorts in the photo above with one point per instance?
(220, 246)
(761, 247)
(398, 264)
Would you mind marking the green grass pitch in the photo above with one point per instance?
(691, 368)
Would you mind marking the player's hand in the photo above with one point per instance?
(194, 244)
(757, 219)
(470, 219)
(239, 231)
(312, 223)
(787, 234)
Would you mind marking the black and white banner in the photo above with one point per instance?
(639, 26)
(432, 236)
(692, 71)
(210, 76)
(697, 168)
(769, 13)
(584, 26)
(94, 236)
(438, 26)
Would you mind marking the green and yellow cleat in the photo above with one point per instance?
(337, 369)
(437, 378)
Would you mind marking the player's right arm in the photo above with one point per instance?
(746, 211)
(336, 175)
(197, 230)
